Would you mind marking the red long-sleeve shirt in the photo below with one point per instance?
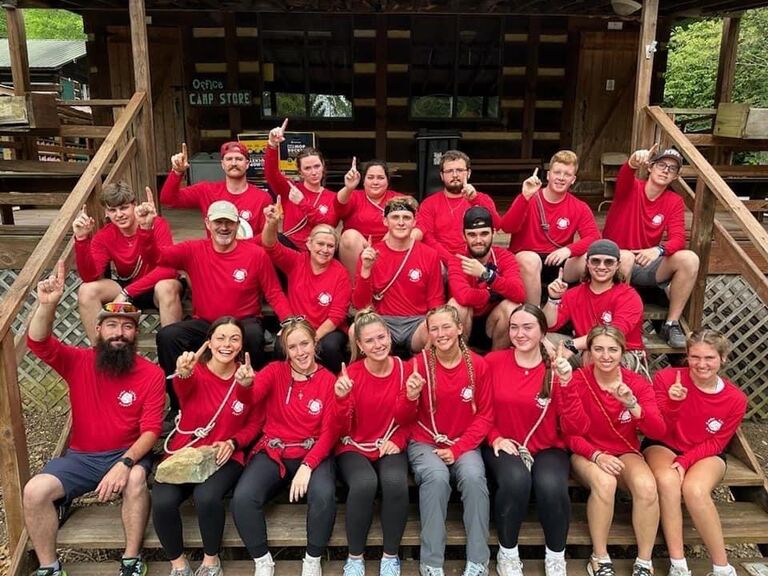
(318, 297)
(703, 424)
(364, 214)
(620, 306)
(618, 435)
(441, 219)
(417, 289)
(200, 396)
(299, 219)
(133, 258)
(566, 219)
(227, 283)
(367, 412)
(517, 405)
(108, 412)
(460, 413)
(634, 222)
(250, 203)
(295, 411)
(481, 297)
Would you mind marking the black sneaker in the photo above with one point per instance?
(673, 334)
(603, 569)
(132, 567)
(638, 570)
(51, 572)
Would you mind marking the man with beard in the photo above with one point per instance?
(117, 401)
(484, 282)
(441, 214)
(647, 221)
(228, 278)
(249, 199)
(120, 244)
(400, 278)
(544, 223)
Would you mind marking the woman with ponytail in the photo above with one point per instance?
(372, 448)
(526, 450)
(447, 400)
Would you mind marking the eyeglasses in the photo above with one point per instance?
(664, 167)
(291, 320)
(454, 171)
(120, 308)
(607, 262)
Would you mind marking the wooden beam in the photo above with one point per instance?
(726, 68)
(123, 159)
(17, 44)
(14, 460)
(381, 85)
(645, 51)
(531, 77)
(75, 131)
(701, 243)
(143, 83)
(233, 73)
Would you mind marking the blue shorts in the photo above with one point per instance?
(80, 472)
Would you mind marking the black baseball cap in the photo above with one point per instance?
(477, 217)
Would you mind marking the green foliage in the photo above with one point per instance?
(48, 24)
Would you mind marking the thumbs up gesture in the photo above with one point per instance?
(563, 368)
(557, 287)
(186, 362)
(344, 383)
(352, 177)
(642, 158)
(244, 374)
(677, 391)
(82, 226)
(146, 211)
(180, 161)
(414, 384)
(531, 185)
(277, 135)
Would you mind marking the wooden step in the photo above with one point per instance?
(100, 527)
(33, 199)
(408, 567)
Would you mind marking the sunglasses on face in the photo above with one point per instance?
(607, 262)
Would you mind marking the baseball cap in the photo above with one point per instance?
(604, 248)
(119, 309)
(477, 217)
(234, 147)
(668, 153)
(223, 209)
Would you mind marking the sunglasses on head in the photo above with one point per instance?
(291, 320)
(120, 308)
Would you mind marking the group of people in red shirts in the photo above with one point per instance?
(412, 394)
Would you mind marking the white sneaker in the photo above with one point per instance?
(475, 569)
(311, 566)
(508, 566)
(426, 570)
(677, 571)
(354, 567)
(264, 566)
(389, 566)
(555, 567)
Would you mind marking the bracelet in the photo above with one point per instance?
(554, 301)
(661, 250)
(234, 443)
(182, 375)
(596, 455)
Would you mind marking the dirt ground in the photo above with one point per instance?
(43, 432)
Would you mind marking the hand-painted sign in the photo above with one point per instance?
(211, 92)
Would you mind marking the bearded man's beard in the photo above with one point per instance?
(115, 361)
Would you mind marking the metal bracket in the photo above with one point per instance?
(650, 49)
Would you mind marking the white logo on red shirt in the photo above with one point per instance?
(657, 220)
(246, 214)
(625, 417)
(323, 209)
(244, 230)
(240, 275)
(714, 425)
(562, 223)
(315, 406)
(606, 317)
(126, 398)
(324, 299)
(237, 407)
(414, 274)
(467, 393)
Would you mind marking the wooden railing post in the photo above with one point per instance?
(701, 243)
(14, 461)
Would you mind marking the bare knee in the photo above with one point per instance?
(667, 482)
(696, 493)
(137, 483)
(89, 292)
(529, 262)
(351, 241)
(42, 490)
(167, 291)
(686, 261)
(603, 486)
(644, 490)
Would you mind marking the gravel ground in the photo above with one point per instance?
(43, 432)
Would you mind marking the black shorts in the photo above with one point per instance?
(648, 442)
(146, 300)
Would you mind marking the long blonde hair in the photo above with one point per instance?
(432, 357)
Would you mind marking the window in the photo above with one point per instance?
(307, 66)
(455, 67)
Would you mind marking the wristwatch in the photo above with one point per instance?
(129, 462)
(571, 346)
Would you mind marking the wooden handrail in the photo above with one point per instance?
(714, 182)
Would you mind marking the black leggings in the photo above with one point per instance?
(549, 479)
(261, 481)
(209, 504)
(363, 477)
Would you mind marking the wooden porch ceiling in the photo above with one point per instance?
(672, 8)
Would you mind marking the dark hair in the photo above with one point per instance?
(541, 320)
(223, 321)
(372, 163)
(453, 155)
(117, 194)
(611, 331)
(712, 338)
(307, 152)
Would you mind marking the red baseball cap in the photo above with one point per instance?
(234, 147)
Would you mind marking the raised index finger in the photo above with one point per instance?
(536, 173)
(61, 270)
(677, 378)
(200, 350)
(150, 197)
(560, 274)
(184, 151)
(247, 360)
(284, 126)
(344, 370)
(653, 150)
(354, 162)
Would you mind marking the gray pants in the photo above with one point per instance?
(434, 478)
